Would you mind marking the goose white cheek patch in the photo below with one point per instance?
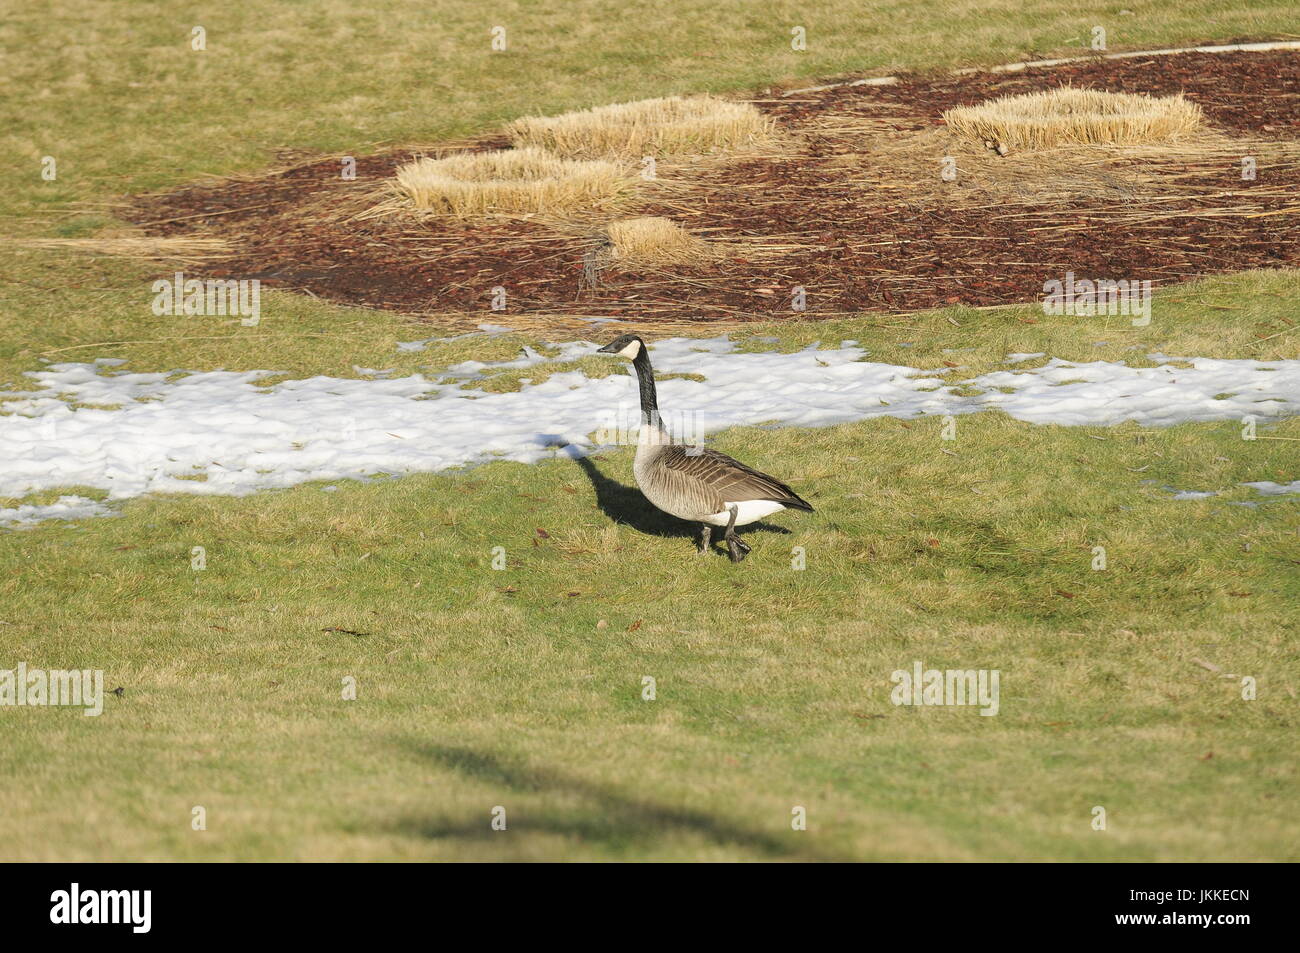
(631, 351)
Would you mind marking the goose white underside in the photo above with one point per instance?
(747, 511)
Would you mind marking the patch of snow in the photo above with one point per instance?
(488, 330)
(1269, 488)
(64, 508)
(1191, 494)
(1104, 393)
(570, 350)
(244, 436)
(1263, 487)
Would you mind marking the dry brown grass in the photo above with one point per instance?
(907, 164)
(672, 125)
(181, 249)
(1068, 115)
(1132, 182)
(655, 241)
(510, 181)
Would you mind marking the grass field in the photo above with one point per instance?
(523, 687)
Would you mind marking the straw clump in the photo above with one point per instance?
(510, 181)
(655, 241)
(667, 126)
(1068, 115)
(156, 248)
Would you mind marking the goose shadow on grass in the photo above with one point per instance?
(597, 814)
(628, 505)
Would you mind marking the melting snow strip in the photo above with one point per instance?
(64, 508)
(224, 433)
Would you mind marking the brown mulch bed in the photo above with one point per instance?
(860, 237)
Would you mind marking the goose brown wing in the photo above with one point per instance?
(722, 477)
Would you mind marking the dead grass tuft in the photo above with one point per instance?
(182, 248)
(515, 180)
(1068, 115)
(672, 125)
(1133, 182)
(655, 241)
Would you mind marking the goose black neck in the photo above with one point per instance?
(645, 376)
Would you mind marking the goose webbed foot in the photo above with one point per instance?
(706, 538)
(737, 548)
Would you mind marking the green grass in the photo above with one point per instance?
(1249, 315)
(478, 687)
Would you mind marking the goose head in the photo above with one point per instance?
(629, 345)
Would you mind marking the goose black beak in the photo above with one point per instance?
(609, 349)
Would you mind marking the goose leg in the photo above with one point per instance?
(706, 538)
(736, 547)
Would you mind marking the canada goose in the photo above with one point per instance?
(692, 483)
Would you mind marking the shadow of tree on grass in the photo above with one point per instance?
(603, 814)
